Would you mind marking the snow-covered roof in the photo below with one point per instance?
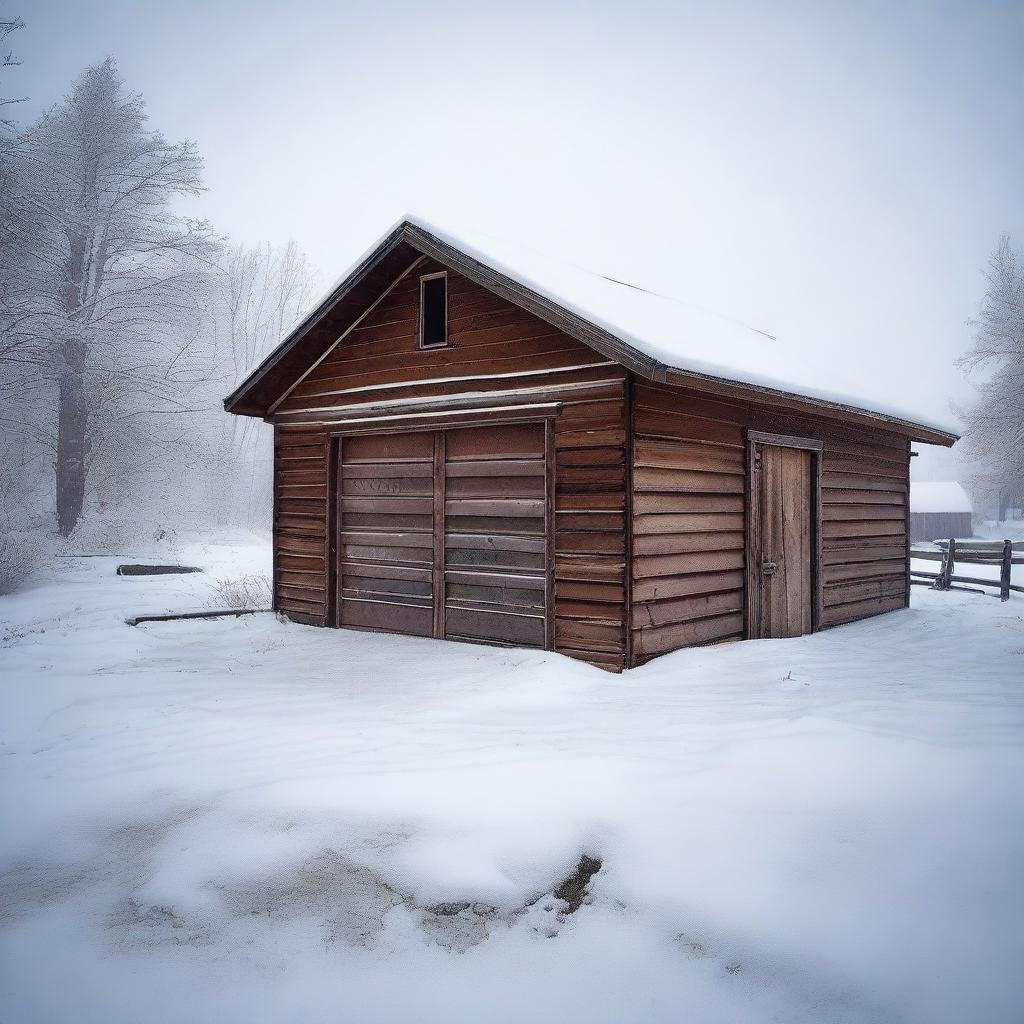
(939, 496)
(665, 331)
(680, 334)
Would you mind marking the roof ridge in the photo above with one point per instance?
(425, 224)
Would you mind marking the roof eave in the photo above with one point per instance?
(806, 405)
(246, 401)
(236, 402)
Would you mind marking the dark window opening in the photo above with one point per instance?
(434, 311)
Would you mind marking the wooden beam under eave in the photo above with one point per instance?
(811, 407)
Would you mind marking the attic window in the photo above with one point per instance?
(434, 310)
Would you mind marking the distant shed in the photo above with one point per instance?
(938, 510)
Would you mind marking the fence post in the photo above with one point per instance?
(937, 582)
(1004, 571)
(945, 580)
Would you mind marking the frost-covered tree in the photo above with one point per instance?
(260, 294)
(8, 26)
(122, 327)
(994, 424)
(22, 456)
(101, 281)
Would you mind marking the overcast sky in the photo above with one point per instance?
(835, 173)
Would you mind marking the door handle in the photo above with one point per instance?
(768, 568)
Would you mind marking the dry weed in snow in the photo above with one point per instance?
(252, 591)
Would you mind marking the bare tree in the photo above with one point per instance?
(994, 431)
(8, 26)
(101, 283)
(123, 325)
(261, 293)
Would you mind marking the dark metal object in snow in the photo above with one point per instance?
(155, 570)
(194, 615)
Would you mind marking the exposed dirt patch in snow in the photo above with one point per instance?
(572, 890)
(349, 900)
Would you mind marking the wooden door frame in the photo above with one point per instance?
(439, 424)
(753, 540)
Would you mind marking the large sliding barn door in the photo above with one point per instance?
(781, 576)
(445, 533)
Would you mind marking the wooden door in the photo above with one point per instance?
(782, 573)
(445, 533)
(495, 534)
(385, 519)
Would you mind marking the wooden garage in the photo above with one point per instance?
(476, 445)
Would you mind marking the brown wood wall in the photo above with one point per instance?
(686, 463)
(865, 497)
(689, 517)
(496, 352)
(300, 522)
(492, 344)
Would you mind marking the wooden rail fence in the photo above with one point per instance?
(970, 552)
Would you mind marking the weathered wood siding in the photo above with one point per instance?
(688, 536)
(493, 345)
(865, 498)
(688, 522)
(300, 522)
(671, 460)
(590, 528)
(497, 354)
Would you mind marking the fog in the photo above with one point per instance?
(836, 176)
(212, 811)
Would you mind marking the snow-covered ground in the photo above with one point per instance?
(245, 820)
